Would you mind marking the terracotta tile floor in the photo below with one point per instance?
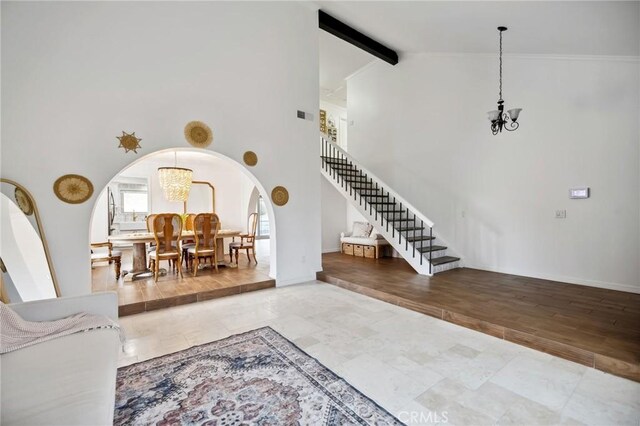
(171, 290)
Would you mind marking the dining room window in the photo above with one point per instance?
(263, 220)
(135, 201)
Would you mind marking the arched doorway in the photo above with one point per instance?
(229, 191)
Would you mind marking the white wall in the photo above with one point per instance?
(100, 220)
(421, 126)
(151, 67)
(353, 215)
(334, 214)
(334, 205)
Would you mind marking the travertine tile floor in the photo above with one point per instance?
(421, 369)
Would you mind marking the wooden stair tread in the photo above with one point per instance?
(339, 166)
(408, 228)
(420, 238)
(427, 249)
(443, 260)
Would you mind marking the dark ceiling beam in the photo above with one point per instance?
(355, 37)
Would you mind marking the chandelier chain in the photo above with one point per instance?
(500, 96)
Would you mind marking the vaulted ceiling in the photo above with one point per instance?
(338, 60)
(535, 27)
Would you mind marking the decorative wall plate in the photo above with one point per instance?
(73, 189)
(280, 196)
(198, 134)
(23, 201)
(129, 142)
(250, 158)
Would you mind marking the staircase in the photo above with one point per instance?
(403, 226)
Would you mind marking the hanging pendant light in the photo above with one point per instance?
(175, 181)
(499, 119)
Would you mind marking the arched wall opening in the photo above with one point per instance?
(184, 156)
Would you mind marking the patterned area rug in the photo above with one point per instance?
(254, 378)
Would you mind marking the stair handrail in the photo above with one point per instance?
(399, 198)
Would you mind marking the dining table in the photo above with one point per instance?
(139, 241)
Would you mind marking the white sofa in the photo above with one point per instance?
(65, 381)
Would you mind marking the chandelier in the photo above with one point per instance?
(499, 119)
(175, 181)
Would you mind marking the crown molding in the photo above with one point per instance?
(533, 56)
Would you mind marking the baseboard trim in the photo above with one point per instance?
(311, 276)
(560, 278)
(331, 250)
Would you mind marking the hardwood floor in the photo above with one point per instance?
(171, 290)
(596, 327)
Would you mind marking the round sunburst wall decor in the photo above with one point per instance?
(198, 134)
(129, 142)
(280, 196)
(250, 158)
(73, 189)
(23, 201)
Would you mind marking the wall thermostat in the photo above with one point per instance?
(579, 193)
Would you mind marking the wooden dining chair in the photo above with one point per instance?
(247, 241)
(191, 217)
(110, 255)
(150, 219)
(187, 244)
(152, 246)
(205, 232)
(167, 231)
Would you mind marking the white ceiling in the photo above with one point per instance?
(338, 59)
(535, 27)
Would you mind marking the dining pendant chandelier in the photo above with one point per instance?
(499, 119)
(175, 181)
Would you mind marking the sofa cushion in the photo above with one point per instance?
(361, 229)
(364, 241)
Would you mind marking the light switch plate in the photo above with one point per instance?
(561, 214)
(579, 193)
